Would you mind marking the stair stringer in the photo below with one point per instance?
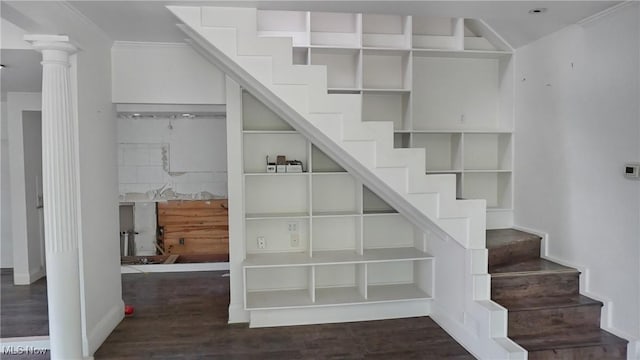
(452, 221)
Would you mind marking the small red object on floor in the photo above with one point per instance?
(128, 310)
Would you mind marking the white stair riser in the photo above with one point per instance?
(364, 151)
(304, 90)
(241, 18)
(254, 65)
(428, 203)
(300, 74)
(329, 124)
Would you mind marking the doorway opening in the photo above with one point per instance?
(172, 168)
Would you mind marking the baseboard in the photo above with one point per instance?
(339, 313)
(186, 267)
(37, 274)
(633, 350)
(237, 314)
(28, 279)
(97, 335)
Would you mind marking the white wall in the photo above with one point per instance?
(100, 240)
(186, 156)
(32, 142)
(6, 241)
(27, 267)
(144, 214)
(577, 124)
(158, 73)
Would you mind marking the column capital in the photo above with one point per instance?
(52, 44)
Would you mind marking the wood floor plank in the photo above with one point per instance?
(184, 316)
(23, 309)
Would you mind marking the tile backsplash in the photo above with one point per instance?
(143, 171)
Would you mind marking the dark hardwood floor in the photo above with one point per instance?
(23, 309)
(184, 316)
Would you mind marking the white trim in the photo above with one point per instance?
(120, 43)
(340, 314)
(209, 109)
(604, 12)
(36, 274)
(186, 267)
(497, 36)
(237, 314)
(633, 350)
(104, 327)
(235, 189)
(21, 278)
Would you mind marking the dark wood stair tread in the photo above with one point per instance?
(547, 315)
(572, 339)
(503, 237)
(530, 267)
(538, 303)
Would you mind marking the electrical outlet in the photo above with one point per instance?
(293, 227)
(262, 242)
(295, 239)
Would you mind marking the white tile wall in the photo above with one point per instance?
(127, 174)
(143, 165)
(150, 174)
(142, 169)
(136, 156)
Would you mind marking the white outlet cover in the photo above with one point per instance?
(295, 240)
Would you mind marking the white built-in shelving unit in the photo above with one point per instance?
(328, 240)
(446, 83)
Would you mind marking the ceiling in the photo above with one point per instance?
(23, 72)
(150, 21)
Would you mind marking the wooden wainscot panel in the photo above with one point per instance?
(194, 227)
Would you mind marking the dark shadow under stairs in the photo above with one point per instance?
(547, 315)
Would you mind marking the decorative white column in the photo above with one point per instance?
(60, 189)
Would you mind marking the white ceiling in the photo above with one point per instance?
(151, 21)
(23, 72)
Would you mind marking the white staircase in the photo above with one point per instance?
(333, 123)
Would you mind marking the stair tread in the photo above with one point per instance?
(530, 267)
(538, 303)
(568, 339)
(502, 237)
